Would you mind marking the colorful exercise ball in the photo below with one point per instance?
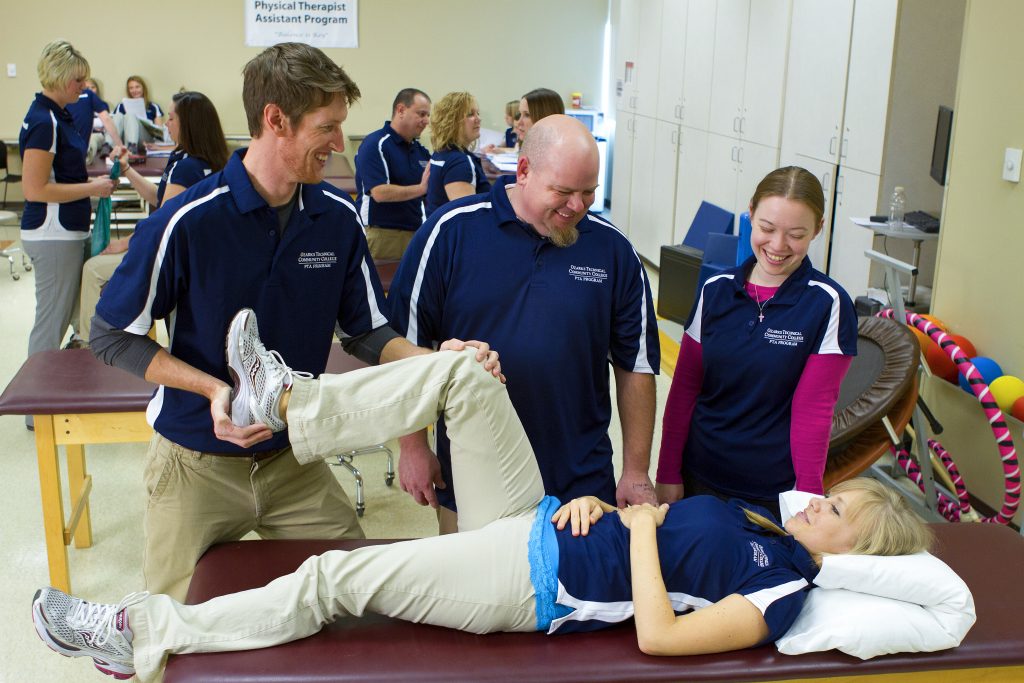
(988, 368)
(1006, 390)
(965, 345)
(1017, 409)
(939, 362)
(923, 340)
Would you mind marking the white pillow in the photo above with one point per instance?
(868, 605)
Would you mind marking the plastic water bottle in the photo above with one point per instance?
(897, 208)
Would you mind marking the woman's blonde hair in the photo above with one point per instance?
(885, 523)
(447, 120)
(59, 64)
(512, 108)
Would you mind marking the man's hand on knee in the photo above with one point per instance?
(484, 355)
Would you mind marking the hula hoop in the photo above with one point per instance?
(996, 420)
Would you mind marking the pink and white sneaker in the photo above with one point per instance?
(76, 628)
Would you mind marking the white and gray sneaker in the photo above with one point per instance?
(260, 376)
(76, 628)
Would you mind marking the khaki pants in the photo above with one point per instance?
(96, 273)
(199, 499)
(477, 581)
(387, 244)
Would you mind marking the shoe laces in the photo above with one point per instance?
(100, 618)
(280, 368)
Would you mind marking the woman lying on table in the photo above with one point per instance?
(521, 561)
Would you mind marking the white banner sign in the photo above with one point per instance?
(320, 24)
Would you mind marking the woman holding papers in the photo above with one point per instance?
(454, 170)
(194, 126)
(129, 120)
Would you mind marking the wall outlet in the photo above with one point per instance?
(12, 70)
(1011, 164)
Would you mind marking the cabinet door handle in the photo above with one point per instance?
(845, 149)
(735, 124)
(824, 184)
(742, 119)
(674, 137)
(739, 155)
(732, 154)
(840, 186)
(832, 146)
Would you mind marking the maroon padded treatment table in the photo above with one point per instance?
(76, 400)
(990, 559)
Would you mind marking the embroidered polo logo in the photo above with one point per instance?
(317, 259)
(783, 337)
(588, 274)
(760, 556)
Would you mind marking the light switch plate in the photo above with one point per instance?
(12, 70)
(1011, 164)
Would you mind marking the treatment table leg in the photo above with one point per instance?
(77, 483)
(53, 504)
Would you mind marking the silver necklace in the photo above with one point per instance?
(760, 304)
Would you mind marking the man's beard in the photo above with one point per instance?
(564, 238)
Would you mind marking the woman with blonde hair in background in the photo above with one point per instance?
(454, 170)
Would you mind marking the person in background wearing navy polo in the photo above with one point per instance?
(194, 126)
(55, 223)
(84, 110)
(766, 347)
(456, 172)
(391, 176)
(265, 233)
(563, 294)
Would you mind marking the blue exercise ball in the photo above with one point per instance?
(988, 368)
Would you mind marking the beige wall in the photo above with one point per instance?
(924, 76)
(496, 50)
(981, 248)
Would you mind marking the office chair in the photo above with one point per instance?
(8, 176)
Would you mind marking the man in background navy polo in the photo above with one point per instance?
(391, 176)
(264, 233)
(563, 295)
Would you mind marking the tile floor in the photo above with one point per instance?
(111, 568)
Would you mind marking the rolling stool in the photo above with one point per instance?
(8, 250)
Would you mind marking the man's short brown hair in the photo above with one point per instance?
(296, 77)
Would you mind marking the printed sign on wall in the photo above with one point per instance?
(320, 24)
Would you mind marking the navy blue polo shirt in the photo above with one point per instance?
(453, 165)
(183, 170)
(84, 110)
(50, 128)
(707, 550)
(153, 110)
(216, 248)
(556, 315)
(510, 137)
(385, 158)
(739, 441)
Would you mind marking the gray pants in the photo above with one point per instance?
(58, 274)
(477, 580)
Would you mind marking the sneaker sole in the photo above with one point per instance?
(64, 650)
(240, 394)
